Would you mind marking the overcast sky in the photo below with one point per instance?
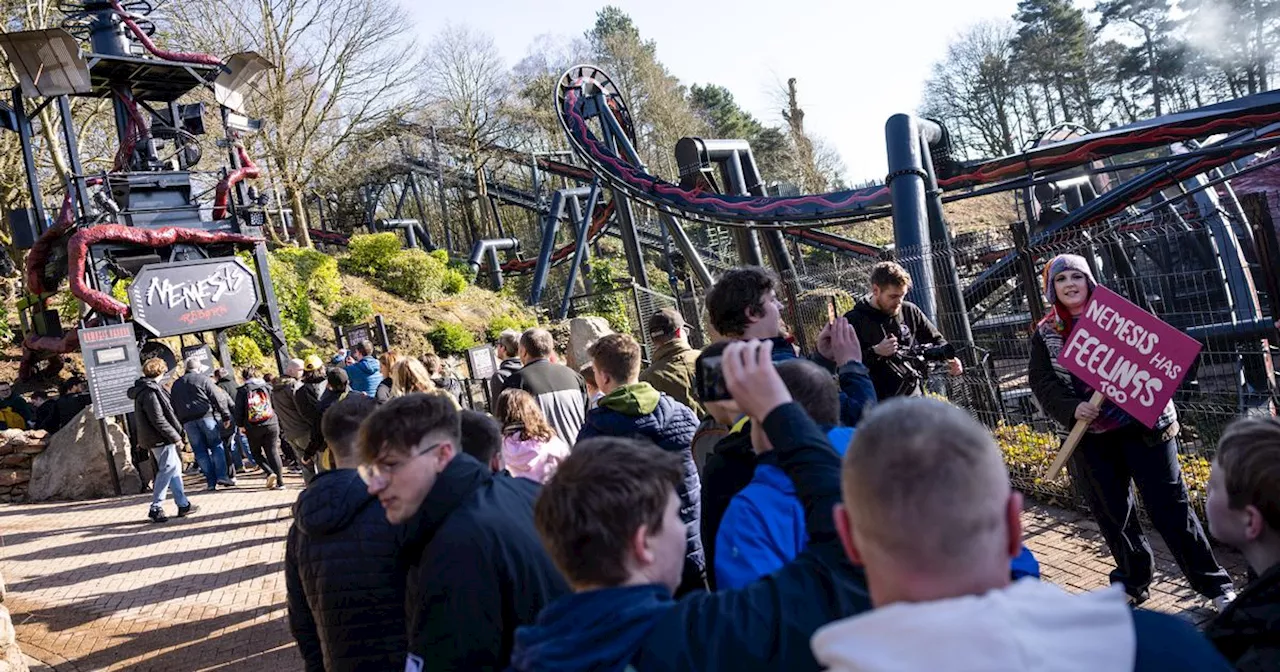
(857, 62)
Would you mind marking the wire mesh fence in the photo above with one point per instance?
(1205, 263)
(1200, 265)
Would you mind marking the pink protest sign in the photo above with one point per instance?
(1128, 355)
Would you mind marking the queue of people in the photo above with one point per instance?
(819, 525)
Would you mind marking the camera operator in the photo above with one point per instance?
(898, 341)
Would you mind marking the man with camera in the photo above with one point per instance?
(898, 341)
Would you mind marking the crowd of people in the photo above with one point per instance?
(818, 512)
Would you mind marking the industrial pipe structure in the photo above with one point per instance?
(551, 226)
(489, 247)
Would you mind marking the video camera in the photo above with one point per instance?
(912, 363)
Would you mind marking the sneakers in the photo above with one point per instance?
(227, 482)
(184, 511)
(157, 515)
(1220, 602)
(271, 481)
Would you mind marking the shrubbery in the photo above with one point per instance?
(410, 274)
(245, 351)
(367, 254)
(353, 310)
(451, 339)
(608, 277)
(501, 323)
(317, 271)
(453, 281)
(1029, 453)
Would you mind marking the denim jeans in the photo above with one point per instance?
(237, 446)
(206, 443)
(168, 475)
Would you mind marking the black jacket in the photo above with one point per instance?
(766, 625)
(729, 468)
(561, 394)
(910, 326)
(345, 577)
(480, 570)
(195, 396)
(153, 413)
(242, 403)
(56, 413)
(307, 398)
(498, 381)
(1247, 632)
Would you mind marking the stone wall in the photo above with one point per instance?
(11, 659)
(17, 451)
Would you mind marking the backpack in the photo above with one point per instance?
(258, 406)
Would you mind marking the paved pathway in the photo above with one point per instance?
(94, 586)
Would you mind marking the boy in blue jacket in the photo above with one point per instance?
(763, 528)
(610, 522)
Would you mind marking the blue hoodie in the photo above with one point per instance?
(364, 375)
(763, 528)
(562, 640)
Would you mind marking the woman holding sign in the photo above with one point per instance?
(1118, 449)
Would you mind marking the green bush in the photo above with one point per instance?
(609, 277)
(453, 282)
(316, 271)
(245, 352)
(441, 256)
(451, 339)
(369, 254)
(501, 323)
(353, 310)
(291, 296)
(411, 274)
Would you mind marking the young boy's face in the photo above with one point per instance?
(1226, 524)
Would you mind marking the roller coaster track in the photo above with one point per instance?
(586, 84)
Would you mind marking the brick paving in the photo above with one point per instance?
(94, 586)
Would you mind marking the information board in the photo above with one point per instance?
(111, 361)
(483, 361)
(202, 353)
(356, 334)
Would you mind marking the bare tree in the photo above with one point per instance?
(340, 70)
(468, 88)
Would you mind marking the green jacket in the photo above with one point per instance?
(672, 373)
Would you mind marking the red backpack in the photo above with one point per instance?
(258, 406)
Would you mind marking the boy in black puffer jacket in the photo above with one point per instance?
(632, 409)
(343, 571)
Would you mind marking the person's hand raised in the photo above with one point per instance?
(845, 346)
(754, 383)
(824, 342)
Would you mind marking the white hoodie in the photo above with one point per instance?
(1029, 626)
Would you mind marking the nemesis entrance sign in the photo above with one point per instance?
(190, 296)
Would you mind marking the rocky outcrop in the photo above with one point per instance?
(11, 659)
(75, 466)
(17, 451)
(583, 331)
